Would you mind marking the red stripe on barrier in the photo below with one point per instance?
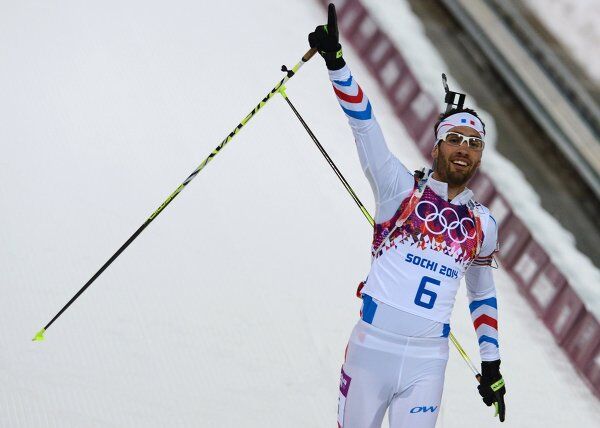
(583, 340)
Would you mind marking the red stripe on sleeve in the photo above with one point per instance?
(485, 319)
(349, 98)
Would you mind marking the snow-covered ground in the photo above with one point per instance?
(233, 308)
(575, 24)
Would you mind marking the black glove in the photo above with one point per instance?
(491, 386)
(325, 39)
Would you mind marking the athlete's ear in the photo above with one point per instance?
(434, 152)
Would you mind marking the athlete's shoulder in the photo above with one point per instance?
(481, 209)
(490, 229)
(488, 220)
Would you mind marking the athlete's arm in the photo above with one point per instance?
(484, 312)
(481, 292)
(390, 180)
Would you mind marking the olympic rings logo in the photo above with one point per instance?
(443, 223)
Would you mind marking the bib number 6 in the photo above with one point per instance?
(428, 301)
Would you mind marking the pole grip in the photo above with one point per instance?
(308, 55)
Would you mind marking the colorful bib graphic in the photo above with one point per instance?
(433, 224)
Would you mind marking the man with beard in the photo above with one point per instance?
(429, 233)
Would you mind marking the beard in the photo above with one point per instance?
(443, 167)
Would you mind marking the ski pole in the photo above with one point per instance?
(465, 356)
(307, 56)
(364, 210)
(328, 159)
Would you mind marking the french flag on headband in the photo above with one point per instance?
(352, 99)
(460, 119)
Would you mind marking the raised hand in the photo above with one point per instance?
(325, 39)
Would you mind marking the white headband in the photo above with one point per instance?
(459, 119)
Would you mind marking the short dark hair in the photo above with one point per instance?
(444, 115)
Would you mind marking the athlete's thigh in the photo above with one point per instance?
(418, 405)
(362, 402)
(367, 384)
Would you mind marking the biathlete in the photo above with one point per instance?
(429, 233)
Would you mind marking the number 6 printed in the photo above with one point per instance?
(423, 291)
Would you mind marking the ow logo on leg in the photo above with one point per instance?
(423, 409)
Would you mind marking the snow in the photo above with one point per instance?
(234, 306)
(575, 25)
(407, 32)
